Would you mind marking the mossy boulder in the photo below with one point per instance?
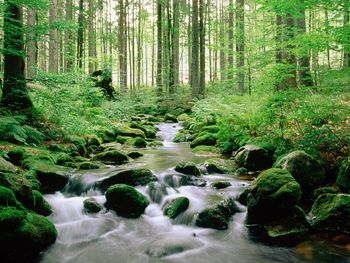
(7, 166)
(88, 165)
(111, 157)
(91, 206)
(177, 180)
(183, 117)
(204, 138)
(170, 118)
(131, 177)
(187, 168)
(93, 140)
(324, 190)
(61, 158)
(180, 137)
(126, 201)
(219, 166)
(139, 142)
(52, 178)
(343, 177)
(155, 143)
(107, 135)
(40, 205)
(176, 206)
(331, 212)
(79, 143)
(27, 157)
(211, 129)
(253, 158)
(135, 155)
(7, 197)
(218, 216)
(308, 172)
(206, 150)
(149, 130)
(220, 184)
(124, 130)
(273, 195)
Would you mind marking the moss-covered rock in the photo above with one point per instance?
(10, 218)
(177, 180)
(131, 177)
(331, 212)
(139, 142)
(93, 140)
(218, 216)
(7, 197)
(343, 178)
(206, 150)
(156, 191)
(61, 158)
(27, 157)
(170, 118)
(219, 166)
(241, 171)
(204, 138)
(7, 166)
(273, 195)
(111, 157)
(40, 205)
(126, 201)
(183, 117)
(91, 206)
(243, 197)
(155, 143)
(52, 178)
(176, 206)
(324, 190)
(135, 155)
(211, 129)
(149, 130)
(180, 137)
(253, 158)
(124, 130)
(107, 135)
(308, 172)
(89, 165)
(79, 142)
(220, 184)
(187, 168)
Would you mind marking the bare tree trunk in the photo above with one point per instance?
(92, 36)
(122, 48)
(53, 55)
(230, 59)
(175, 47)
(32, 44)
(346, 59)
(240, 46)
(69, 41)
(159, 78)
(202, 22)
(80, 46)
(195, 50)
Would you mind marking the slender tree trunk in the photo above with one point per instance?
(327, 31)
(53, 55)
(195, 50)
(223, 64)
(80, 42)
(230, 59)
(122, 48)
(289, 57)
(32, 44)
(92, 36)
(175, 47)
(159, 78)
(69, 41)
(240, 46)
(346, 58)
(14, 92)
(202, 22)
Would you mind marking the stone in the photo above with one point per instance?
(135, 155)
(343, 177)
(7, 166)
(91, 206)
(111, 157)
(176, 206)
(124, 130)
(204, 138)
(206, 150)
(187, 168)
(253, 158)
(170, 118)
(220, 185)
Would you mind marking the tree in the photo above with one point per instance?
(159, 77)
(31, 43)
(202, 21)
(53, 55)
(80, 40)
(240, 45)
(14, 94)
(69, 41)
(195, 51)
(230, 55)
(174, 68)
(346, 59)
(92, 37)
(122, 47)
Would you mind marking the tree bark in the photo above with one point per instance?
(195, 50)
(159, 78)
(53, 55)
(122, 48)
(69, 41)
(202, 21)
(240, 46)
(32, 44)
(230, 57)
(80, 42)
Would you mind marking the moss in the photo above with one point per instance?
(343, 177)
(40, 205)
(139, 142)
(211, 129)
(123, 139)
(241, 171)
(91, 206)
(111, 157)
(79, 142)
(11, 218)
(7, 166)
(170, 118)
(135, 155)
(124, 130)
(88, 166)
(220, 185)
(204, 139)
(126, 201)
(253, 157)
(324, 190)
(183, 117)
(7, 197)
(176, 207)
(155, 143)
(93, 140)
(206, 150)
(180, 137)
(149, 130)
(219, 166)
(131, 177)
(187, 168)
(61, 158)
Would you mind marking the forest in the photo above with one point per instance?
(174, 131)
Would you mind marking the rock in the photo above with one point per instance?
(177, 180)
(183, 117)
(107, 135)
(40, 205)
(7, 197)
(217, 217)
(187, 168)
(79, 143)
(205, 138)
(93, 140)
(211, 129)
(123, 130)
(220, 185)
(111, 157)
(343, 178)
(103, 80)
(218, 166)
(156, 191)
(139, 142)
(62, 158)
(176, 206)
(206, 150)
(273, 195)
(88, 166)
(131, 177)
(7, 166)
(91, 206)
(24, 235)
(253, 158)
(304, 168)
(154, 119)
(241, 171)
(126, 201)
(180, 137)
(51, 177)
(331, 212)
(243, 197)
(324, 190)
(155, 143)
(170, 118)
(149, 130)
(135, 155)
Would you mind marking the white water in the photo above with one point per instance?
(108, 238)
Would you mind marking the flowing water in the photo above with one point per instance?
(107, 238)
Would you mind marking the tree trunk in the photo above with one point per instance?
(175, 47)
(14, 92)
(53, 55)
(230, 59)
(122, 48)
(240, 45)
(32, 44)
(80, 47)
(202, 19)
(92, 37)
(69, 41)
(346, 59)
(195, 50)
(159, 78)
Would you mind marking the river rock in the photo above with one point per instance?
(206, 150)
(131, 177)
(253, 158)
(156, 191)
(24, 235)
(126, 201)
(111, 157)
(91, 206)
(135, 155)
(331, 212)
(124, 130)
(187, 168)
(51, 177)
(177, 180)
(273, 195)
(304, 168)
(180, 137)
(139, 142)
(217, 217)
(170, 118)
(40, 205)
(204, 138)
(176, 206)
(219, 166)
(211, 129)
(220, 185)
(343, 178)
(7, 197)
(7, 166)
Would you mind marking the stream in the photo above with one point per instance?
(108, 238)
